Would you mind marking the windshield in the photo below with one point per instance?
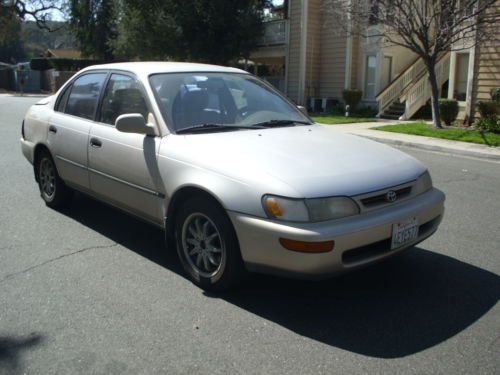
(190, 100)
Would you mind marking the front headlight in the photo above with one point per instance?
(308, 210)
(423, 184)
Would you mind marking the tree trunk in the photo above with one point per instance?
(436, 121)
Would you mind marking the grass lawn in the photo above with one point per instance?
(331, 119)
(454, 134)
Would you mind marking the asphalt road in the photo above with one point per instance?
(89, 290)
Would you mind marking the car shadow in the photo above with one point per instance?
(11, 352)
(399, 307)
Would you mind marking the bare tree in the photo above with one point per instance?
(40, 11)
(428, 28)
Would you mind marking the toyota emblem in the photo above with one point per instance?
(391, 196)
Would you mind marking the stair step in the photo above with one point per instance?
(389, 117)
(399, 107)
(394, 113)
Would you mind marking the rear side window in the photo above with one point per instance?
(61, 103)
(82, 101)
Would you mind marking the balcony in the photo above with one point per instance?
(274, 33)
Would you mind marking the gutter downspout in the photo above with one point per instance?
(287, 47)
(348, 55)
(303, 45)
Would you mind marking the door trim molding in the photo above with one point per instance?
(141, 188)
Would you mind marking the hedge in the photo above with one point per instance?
(62, 64)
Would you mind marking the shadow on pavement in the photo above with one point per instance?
(11, 352)
(397, 308)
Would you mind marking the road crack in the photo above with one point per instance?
(9, 276)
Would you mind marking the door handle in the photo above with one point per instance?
(94, 142)
(52, 129)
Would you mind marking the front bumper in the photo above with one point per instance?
(359, 240)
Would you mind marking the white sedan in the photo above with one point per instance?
(237, 176)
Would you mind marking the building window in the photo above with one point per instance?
(370, 75)
(461, 76)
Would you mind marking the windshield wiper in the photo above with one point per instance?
(277, 123)
(211, 126)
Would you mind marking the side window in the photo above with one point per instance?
(63, 98)
(123, 95)
(84, 95)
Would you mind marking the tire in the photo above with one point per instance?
(207, 245)
(53, 190)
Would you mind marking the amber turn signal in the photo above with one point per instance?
(307, 247)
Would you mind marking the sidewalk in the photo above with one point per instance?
(417, 141)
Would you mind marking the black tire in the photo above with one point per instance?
(53, 190)
(216, 271)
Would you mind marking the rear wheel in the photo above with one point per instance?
(207, 245)
(52, 189)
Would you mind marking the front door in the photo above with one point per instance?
(123, 166)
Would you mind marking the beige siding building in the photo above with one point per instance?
(316, 60)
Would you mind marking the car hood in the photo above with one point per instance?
(314, 161)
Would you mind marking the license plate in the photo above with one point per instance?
(404, 232)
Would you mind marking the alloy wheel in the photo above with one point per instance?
(47, 177)
(202, 245)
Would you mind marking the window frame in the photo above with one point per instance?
(456, 74)
(69, 86)
(97, 116)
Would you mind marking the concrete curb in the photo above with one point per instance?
(444, 149)
(418, 142)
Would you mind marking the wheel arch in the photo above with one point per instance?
(178, 198)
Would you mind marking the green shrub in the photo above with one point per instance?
(336, 111)
(489, 120)
(495, 94)
(487, 108)
(366, 111)
(487, 124)
(448, 109)
(352, 97)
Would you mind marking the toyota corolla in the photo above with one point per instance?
(239, 178)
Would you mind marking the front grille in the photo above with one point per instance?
(376, 249)
(379, 199)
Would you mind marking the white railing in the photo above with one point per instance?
(420, 92)
(274, 33)
(392, 92)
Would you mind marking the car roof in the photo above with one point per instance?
(151, 67)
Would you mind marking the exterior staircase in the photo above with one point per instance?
(394, 111)
(409, 91)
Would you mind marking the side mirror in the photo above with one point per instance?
(303, 109)
(133, 123)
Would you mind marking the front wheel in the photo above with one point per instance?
(52, 189)
(207, 245)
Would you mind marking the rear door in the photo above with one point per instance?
(69, 127)
(123, 166)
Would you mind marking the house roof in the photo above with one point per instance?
(64, 53)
